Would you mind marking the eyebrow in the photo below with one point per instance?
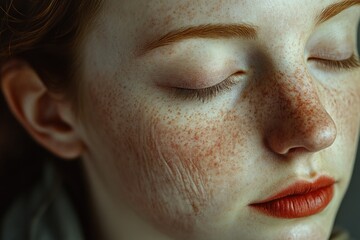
(210, 31)
(246, 31)
(334, 9)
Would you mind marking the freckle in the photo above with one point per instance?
(174, 145)
(196, 137)
(195, 208)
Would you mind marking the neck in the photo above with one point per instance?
(114, 219)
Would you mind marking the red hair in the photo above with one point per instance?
(45, 34)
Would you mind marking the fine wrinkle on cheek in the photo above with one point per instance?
(167, 186)
(181, 172)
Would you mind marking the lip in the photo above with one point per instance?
(301, 199)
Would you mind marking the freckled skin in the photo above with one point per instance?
(190, 169)
(179, 168)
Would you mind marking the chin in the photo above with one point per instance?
(305, 233)
(313, 228)
(290, 229)
(316, 227)
(299, 232)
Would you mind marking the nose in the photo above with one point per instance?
(301, 122)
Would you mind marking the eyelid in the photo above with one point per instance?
(208, 93)
(333, 56)
(350, 63)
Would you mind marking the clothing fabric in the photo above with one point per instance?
(46, 213)
(339, 234)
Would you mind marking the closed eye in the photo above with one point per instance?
(208, 93)
(347, 64)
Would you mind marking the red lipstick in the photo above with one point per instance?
(300, 199)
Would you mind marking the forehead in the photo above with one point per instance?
(161, 13)
(146, 19)
(125, 26)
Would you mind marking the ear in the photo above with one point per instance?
(46, 117)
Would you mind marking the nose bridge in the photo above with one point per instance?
(303, 121)
(297, 93)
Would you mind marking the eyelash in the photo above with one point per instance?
(347, 64)
(206, 94)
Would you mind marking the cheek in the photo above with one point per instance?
(178, 173)
(345, 110)
(343, 106)
(174, 167)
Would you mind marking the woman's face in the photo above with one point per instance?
(187, 131)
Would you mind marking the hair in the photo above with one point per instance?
(45, 34)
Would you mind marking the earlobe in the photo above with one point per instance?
(40, 113)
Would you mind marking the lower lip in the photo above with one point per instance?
(297, 206)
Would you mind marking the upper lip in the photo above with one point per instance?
(300, 187)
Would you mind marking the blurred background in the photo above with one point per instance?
(349, 214)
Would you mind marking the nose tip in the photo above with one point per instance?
(311, 133)
(320, 136)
